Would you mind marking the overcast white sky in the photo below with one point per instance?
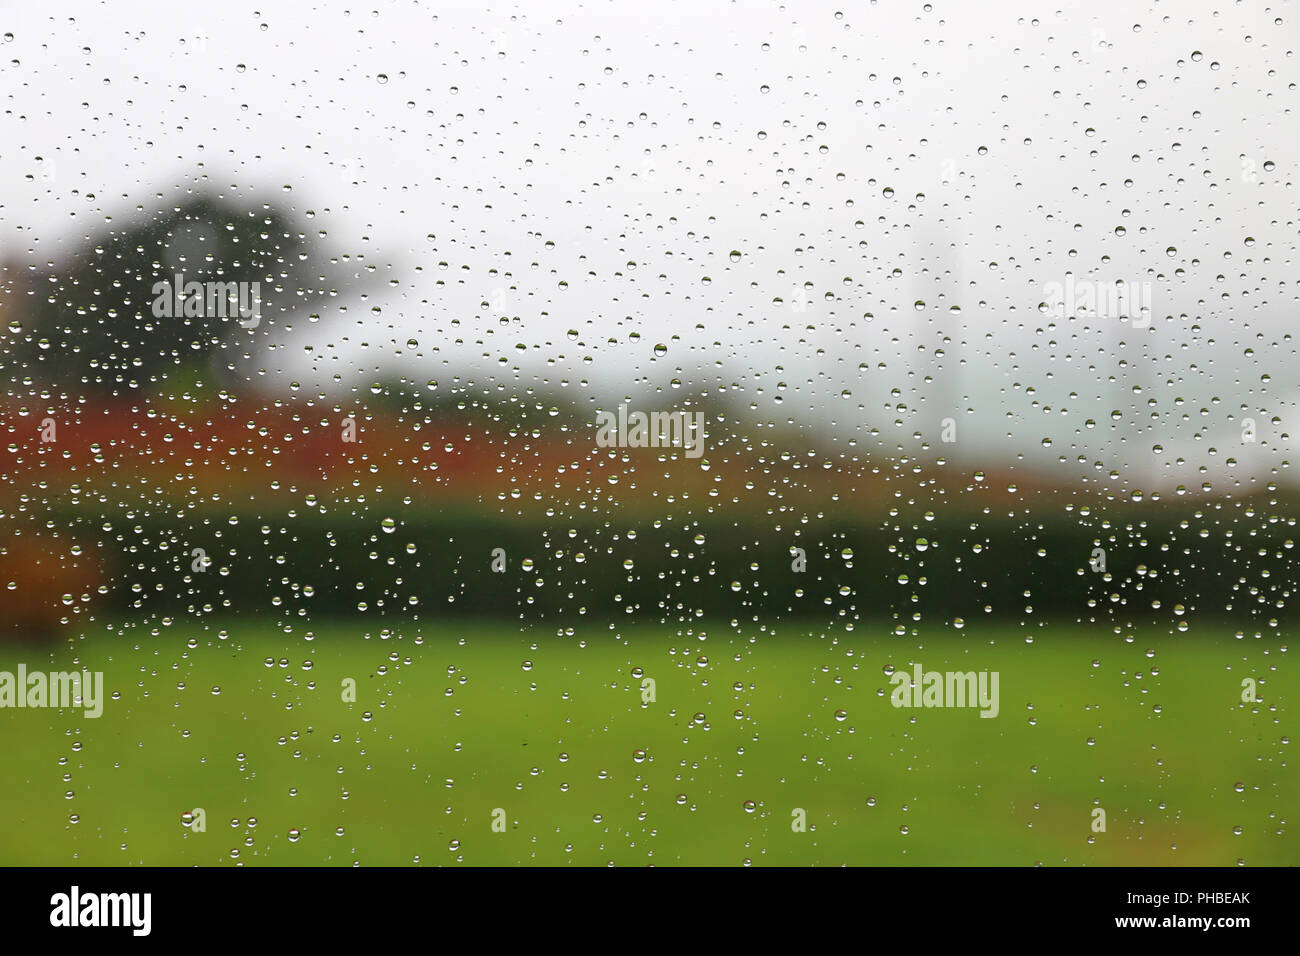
(888, 154)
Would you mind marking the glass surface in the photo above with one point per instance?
(675, 433)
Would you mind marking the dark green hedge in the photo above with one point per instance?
(870, 570)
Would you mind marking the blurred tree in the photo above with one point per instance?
(95, 323)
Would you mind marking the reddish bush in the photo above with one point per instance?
(43, 581)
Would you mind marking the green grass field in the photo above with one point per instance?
(453, 721)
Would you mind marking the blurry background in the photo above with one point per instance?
(833, 231)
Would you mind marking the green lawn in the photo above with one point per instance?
(451, 723)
